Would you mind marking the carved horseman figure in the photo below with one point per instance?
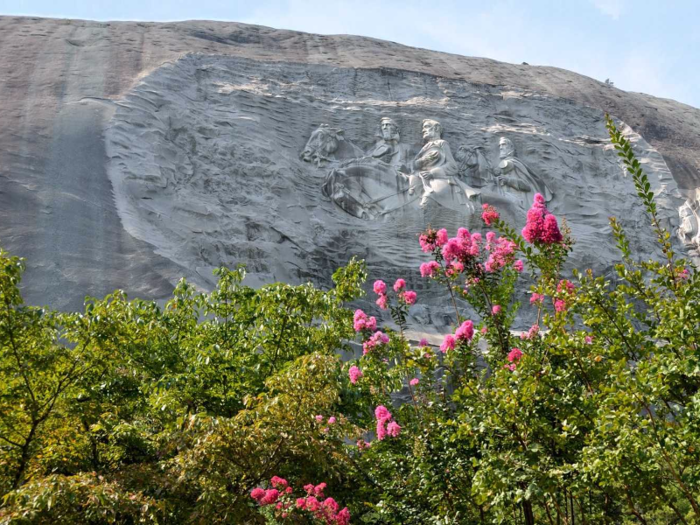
(517, 176)
(474, 166)
(689, 228)
(389, 148)
(437, 171)
(385, 179)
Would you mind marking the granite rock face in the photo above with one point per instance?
(132, 154)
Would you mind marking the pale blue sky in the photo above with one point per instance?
(652, 46)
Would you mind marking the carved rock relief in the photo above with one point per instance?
(293, 169)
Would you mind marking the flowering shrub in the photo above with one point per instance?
(284, 507)
(591, 418)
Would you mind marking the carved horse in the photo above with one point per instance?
(327, 145)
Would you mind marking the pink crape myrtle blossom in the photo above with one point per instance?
(399, 285)
(355, 374)
(518, 266)
(382, 413)
(362, 322)
(278, 483)
(484, 330)
(431, 239)
(441, 237)
(489, 214)
(536, 298)
(514, 355)
(501, 254)
(414, 381)
(551, 233)
(465, 332)
(541, 226)
(384, 424)
(319, 418)
(381, 429)
(331, 420)
(270, 497)
(448, 343)
(429, 269)
(534, 224)
(496, 309)
(560, 305)
(461, 248)
(588, 339)
(531, 333)
(382, 302)
(379, 287)
(409, 297)
(331, 505)
(377, 339)
(454, 268)
(323, 509)
(393, 429)
(566, 286)
(343, 517)
(423, 342)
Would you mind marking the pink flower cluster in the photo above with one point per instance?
(500, 254)
(405, 296)
(324, 509)
(409, 297)
(375, 340)
(541, 226)
(355, 374)
(431, 240)
(270, 496)
(489, 214)
(464, 334)
(566, 286)
(513, 357)
(429, 269)
(380, 289)
(385, 426)
(461, 248)
(531, 333)
(566, 289)
(362, 322)
(536, 298)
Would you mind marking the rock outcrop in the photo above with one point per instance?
(132, 154)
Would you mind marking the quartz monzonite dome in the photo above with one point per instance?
(132, 154)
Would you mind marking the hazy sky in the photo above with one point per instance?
(652, 46)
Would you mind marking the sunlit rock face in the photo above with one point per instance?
(218, 161)
(134, 153)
